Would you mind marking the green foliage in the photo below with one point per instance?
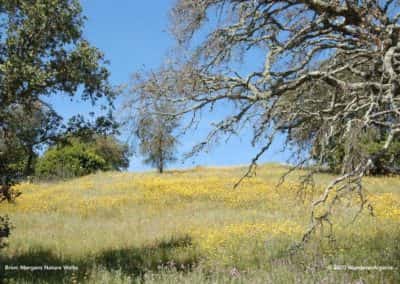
(79, 158)
(42, 53)
(112, 151)
(36, 127)
(12, 157)
(70, 161)
(385, 162)
(5, 228)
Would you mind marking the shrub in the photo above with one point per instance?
(78, 157)
(5, 228)
(387, 162)
(115, 154)
(383, 164)
(74, 160)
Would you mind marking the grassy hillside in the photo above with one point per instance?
(192, 227)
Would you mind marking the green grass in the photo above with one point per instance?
(143, 229)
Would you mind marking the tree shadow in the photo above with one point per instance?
(175, 253)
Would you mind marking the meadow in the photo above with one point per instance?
(191, 226)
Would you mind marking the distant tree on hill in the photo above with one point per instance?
(152, 126)
(115, 153)
(157, 142)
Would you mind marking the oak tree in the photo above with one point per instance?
(329, 76)
(42, 53)
(149, 119)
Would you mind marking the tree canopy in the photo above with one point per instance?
(42, 53)
(77, 156)
(329, 78)
(153, 128)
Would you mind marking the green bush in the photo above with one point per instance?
(5, 227)
(74, 160)
(112, 151)
(387, 162)
(384, 162)
(78, 157)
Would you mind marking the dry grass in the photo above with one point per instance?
(192, 227)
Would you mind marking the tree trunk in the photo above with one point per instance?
(28, 166)
(5, 193)
(161, 161)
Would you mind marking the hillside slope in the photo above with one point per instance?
(193, 226)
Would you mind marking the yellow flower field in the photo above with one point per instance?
(195, 218)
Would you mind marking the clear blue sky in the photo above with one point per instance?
(133, 35)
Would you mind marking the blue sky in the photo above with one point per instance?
(133, 35)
